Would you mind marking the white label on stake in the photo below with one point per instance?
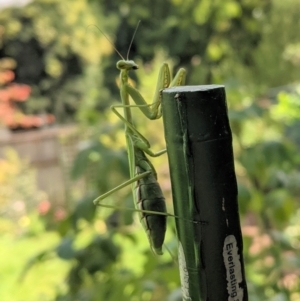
(233, 269)
(184, 275)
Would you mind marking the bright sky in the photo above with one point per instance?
(6, 3)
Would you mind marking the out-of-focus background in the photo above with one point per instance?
(61, 146)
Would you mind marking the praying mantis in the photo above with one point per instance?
(147, 194)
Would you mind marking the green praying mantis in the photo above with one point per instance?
(147, 194)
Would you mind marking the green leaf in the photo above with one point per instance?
(65, 248)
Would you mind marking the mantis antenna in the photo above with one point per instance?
(110, 42)
(133, 36)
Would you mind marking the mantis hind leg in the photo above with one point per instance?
(98, 200)
(132, 180)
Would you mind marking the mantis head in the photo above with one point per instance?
(127, 65)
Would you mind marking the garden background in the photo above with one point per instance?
(61, 146)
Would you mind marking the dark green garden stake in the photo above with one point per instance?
(199, 145)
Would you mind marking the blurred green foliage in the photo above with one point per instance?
(250, 46)
(19, 193)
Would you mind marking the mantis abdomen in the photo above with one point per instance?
(149, 197)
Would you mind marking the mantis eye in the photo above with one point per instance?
(121, 65)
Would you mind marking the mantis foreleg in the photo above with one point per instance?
(153, 111)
